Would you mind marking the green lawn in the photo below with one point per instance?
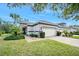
(76, 37)
(44, 47)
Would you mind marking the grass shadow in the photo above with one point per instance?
(14, 37)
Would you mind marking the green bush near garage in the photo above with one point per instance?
(42, 34)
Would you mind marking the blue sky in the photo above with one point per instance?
(26, 12)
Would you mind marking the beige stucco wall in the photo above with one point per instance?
(29, 28)
(37, 27)
(49, 30)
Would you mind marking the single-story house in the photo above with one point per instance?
(50, 29)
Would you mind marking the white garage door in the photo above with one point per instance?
(49, 32)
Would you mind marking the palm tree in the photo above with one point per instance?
(1, 21)
(15, 17)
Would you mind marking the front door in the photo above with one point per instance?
(24, 30)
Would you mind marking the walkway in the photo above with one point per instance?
(70, 41)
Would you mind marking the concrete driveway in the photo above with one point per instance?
(66, 40)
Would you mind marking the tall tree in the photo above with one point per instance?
(15, 17)
(0, 21)
(66, 10)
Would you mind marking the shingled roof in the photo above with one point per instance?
(44, 22)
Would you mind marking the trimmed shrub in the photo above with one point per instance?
(70, 34)
(42, 34)
(58, 33)
(2, 32)
(33, 35)
(14, 37)
(66, 33)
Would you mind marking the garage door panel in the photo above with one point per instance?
(49, 32)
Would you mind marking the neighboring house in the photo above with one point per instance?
(71, 28)
(50, 29)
